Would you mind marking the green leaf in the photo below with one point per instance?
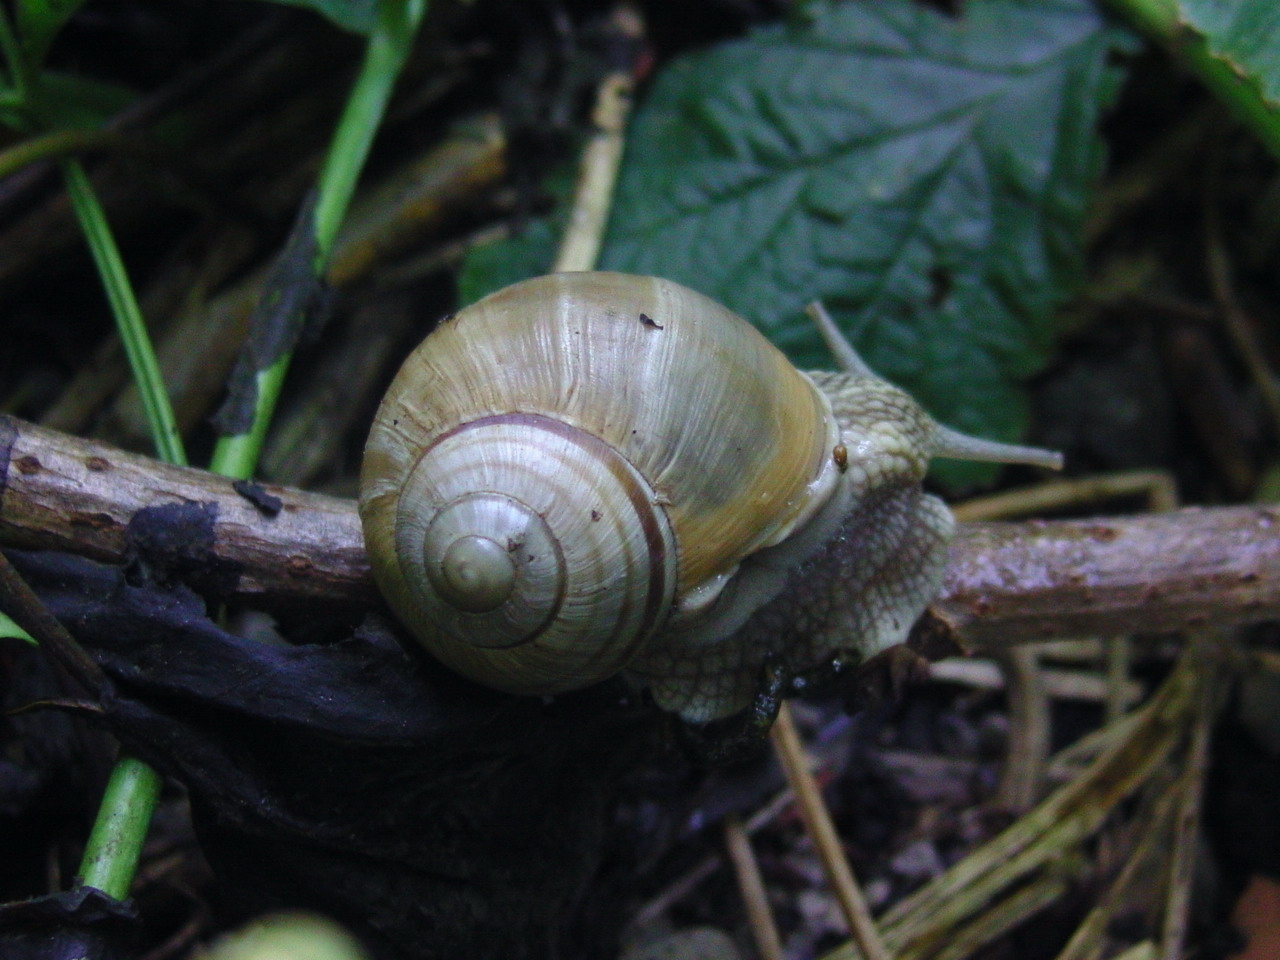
(38, 24)
(64, 100)
(1245, 33)
(926, 177)
(492, 266)
(10, 629)
(358, 16)
(532, 251)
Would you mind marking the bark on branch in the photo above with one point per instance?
(1007, 582)
(59, 492)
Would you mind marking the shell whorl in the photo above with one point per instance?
(547, 540)
(539, 501)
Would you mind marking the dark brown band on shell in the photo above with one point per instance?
(643, 505)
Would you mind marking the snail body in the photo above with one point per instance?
(595, 472)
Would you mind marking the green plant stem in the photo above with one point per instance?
(389, 47)
(124, 305)
(115, 843)
(51, 146)
(237, 455)
(1161, 20)
(124, 816)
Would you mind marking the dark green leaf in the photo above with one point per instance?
(64, 100)
(926, 177)
(491, 266)
(530, 252)
(358, 16)
(38, 24)
(1246, 33)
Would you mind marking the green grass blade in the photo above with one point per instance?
(124, 305)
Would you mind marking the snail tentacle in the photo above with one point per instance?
(962, 446)
(846, 356)
(946, 442)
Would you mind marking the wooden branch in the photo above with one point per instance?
(1011, 582)
(59, 492)
(1007, 582)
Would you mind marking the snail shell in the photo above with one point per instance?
(563, 467)
(590, 471)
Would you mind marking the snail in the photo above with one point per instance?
(592, 473)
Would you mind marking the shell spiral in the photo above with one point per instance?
(567, 467)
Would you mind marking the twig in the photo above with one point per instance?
(1237, 323)
(1139, 951)
(1053, 830)
(1119, 686)
(1058, 684)
(751, 886)
(1089, 938)
(59, 492)
(1157, 485)
(1006, 583)
(1011, 582)
(1185, 846)
(1027, 683)
(994, 922)
(19, 601)
(682, 887)
(817, 820)
(1029, 729)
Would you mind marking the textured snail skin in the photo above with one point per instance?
(590, 473)
(872, 561)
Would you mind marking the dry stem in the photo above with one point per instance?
(751, 886)
(818, 824)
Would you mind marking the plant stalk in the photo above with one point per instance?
(237, 455)
(115, 844)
